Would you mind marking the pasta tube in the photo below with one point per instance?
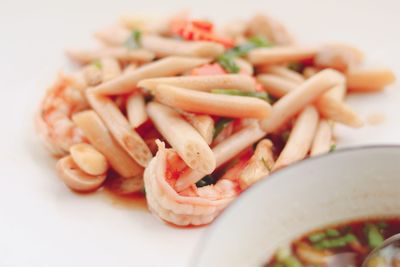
(187, 142)
(204, 83)
(169, 66)
(99, 136)
(300, 139)
(213, 104)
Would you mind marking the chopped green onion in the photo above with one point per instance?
(253, 42)
(240, 50)
(335, 242)
(133, 42)
(206, 180)
(259, 41)
(297, 67)
(292, 262)
(278, 264)
(374, 237)
(97, 64)
(221, 124)
(227, 62)
(316, 237)
(333, 148)
(260, 95)
(332, 232)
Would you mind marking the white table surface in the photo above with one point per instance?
(44, 224)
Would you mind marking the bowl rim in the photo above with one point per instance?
(200, 247)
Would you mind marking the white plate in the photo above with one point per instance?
(44, 224)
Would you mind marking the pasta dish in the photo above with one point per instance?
(191, 114)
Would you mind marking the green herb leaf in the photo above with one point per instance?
(374, 236)
(259, 41)
(260, 95)
(227, 61)
(253, 42)
(266, 164)
(221, 124)
(97, 64)
(332, 232)
(292, 261)
(338, 242)
(133, 42)
(316, 237)
(333, 148)
(206, 180)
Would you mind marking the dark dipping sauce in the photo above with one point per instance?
(344, 245)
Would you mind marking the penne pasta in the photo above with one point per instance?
(259, 165)
(244, 65)
(330, 104)
(163, 47)
(336, 110)
(130, 68)
(213, 104)
(110, 69)
(338, 92)
(224, 152)
(169, 66)
(204, 124)
(286, 73)
(280, 54)
(203, 92)
(338, 56)
(310, 71)
(204, 83)
(136, 109)
(322, 139)
(275, 85)
(187, 142)
(288, 106)
(300, 138)
(99, 136)
(92, 74)
(120, 53)
(114, 35)
(119, 127)
(369, 80)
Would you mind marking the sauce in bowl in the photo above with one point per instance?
(344, 245)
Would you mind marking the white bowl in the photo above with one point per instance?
(342, 186)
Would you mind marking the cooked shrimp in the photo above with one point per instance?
(193, 206)
(54, 123)
(75, 178)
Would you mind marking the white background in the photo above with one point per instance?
(41, 222)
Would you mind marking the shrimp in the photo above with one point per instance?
(53, 122)
(192, 206)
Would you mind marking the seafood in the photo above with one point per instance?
(53, 121)
(193, 206)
